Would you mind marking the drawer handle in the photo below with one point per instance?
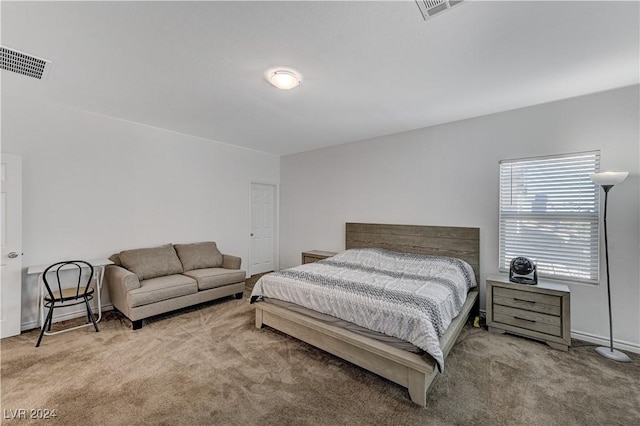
(522, 300)
(525, 319)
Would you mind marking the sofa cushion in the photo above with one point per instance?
(199, 255)
(215, 277)
(151, 262)
(115, 258)
(161, 288)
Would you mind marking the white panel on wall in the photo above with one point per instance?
(448, 175)
(95, 185)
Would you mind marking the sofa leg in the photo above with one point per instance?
(137, 325)
(239, 295)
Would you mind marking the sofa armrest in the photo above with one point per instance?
(231, 262)
(119, 282)
(121, 279)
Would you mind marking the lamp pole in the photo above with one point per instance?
(606, 189)
(607, 180)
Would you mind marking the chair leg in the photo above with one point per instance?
(90, 314)
(47, 322)
(40, 337)
(50, 318)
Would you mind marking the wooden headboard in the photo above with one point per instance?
(463, 243)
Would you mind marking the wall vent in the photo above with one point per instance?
(431, 8)
(23, 63)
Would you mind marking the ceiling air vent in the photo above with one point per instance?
(22, 63)
(431, 8)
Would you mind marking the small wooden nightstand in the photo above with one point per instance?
(315, 255)
(539, 311)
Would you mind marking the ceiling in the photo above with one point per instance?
(369, 68)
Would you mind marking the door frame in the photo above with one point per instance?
(276, 223)
(15, 328)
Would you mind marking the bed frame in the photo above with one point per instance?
(413, 371)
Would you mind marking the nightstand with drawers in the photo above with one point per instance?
(315, 255)
(539, 311)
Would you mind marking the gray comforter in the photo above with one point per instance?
(411, 297)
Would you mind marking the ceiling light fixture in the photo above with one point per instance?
(284, 79)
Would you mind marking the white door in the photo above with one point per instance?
(11, 241)
(263, 207)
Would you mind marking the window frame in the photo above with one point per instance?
(570, 214)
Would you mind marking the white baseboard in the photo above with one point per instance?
(587, 337)
(592, 338)
(604, 341)
(63, 317)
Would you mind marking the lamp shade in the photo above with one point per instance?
(609, 178)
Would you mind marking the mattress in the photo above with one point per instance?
(337, 322)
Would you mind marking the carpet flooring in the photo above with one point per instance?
(209, 365)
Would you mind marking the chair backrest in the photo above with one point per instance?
(71, 266)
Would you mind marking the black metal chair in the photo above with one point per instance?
(60, 297)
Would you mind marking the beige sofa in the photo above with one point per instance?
(151, 281)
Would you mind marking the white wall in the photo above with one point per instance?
(448, 175)
(94, 185)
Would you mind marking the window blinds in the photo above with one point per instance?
(549, 212)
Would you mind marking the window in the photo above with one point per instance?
(549, 212)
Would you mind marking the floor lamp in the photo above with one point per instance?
(607, 180)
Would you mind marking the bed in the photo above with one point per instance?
(386, 244)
